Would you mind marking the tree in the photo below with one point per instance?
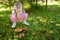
(46, 4)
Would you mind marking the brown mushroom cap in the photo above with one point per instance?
(18, 29)
(24, 29)
(21, 35)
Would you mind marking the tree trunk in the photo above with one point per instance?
(36, 3)
(46, 5)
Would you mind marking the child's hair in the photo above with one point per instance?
(17, 5)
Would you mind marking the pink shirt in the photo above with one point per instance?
(22, 17)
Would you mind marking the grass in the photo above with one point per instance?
(45, 25)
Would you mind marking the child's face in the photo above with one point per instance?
(19, 10)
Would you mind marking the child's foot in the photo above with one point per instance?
(14, 24)
(26, 23)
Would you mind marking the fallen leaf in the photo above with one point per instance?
(18, 29)
(33, 33)
(21, 35)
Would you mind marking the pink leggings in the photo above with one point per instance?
(22, 17)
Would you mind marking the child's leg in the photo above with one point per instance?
(14, 25)
(24, 17)
(25, 22)
(13, 19)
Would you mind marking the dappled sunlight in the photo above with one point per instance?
(52, 3)
(57, 24)
(26, 6)
(52, 21)
(35, 22)
(51, 31)
(1, 15)
(2, 8)
(41, 19)
(30, 18)
(1, 5)
(49, 2)
(43, 25)
(5, 9)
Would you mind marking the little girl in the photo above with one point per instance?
(18, 14)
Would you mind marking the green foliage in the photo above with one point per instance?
(46, 25)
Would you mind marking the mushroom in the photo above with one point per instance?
(18, 29)
(21, 35)
(24, 29)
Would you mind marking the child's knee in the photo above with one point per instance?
(13, 19)
(26, 15)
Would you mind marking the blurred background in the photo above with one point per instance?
(44, 19)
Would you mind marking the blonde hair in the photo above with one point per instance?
(17, 5)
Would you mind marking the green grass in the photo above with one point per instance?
(46, 25)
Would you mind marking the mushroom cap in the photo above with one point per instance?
(21, 35)
(18, 29)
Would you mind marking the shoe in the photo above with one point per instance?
(26, 23)
(14, 24)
